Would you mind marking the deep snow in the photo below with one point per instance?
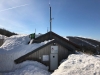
(17, 46)
(30, 68)
(79, 64)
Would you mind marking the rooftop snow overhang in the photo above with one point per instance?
(53, 41)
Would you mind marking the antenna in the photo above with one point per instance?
(50, 17)
(50, 21)
(35, 30)
(49, 2)
(47, 29)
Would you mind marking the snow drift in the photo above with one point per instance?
(29, 68)
(17, 46)
(79, 64)
(13, 48)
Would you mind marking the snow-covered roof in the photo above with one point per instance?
(13, 48)
(16, 46)
(56, 37)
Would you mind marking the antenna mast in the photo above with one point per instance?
(50, 22)
(35, 30)
(50, 18)
(47, 29)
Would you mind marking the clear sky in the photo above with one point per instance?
(71, 17)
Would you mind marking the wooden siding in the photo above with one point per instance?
(1, 42)
(62, 54)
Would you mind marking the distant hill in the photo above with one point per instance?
(6, 32)
(86, 44)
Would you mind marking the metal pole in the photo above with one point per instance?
(50, 19)
(47, 29)
(35, 30)
(50, 24)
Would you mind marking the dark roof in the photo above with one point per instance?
(69, 48)
(52, 37)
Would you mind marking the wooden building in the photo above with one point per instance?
(51, 53)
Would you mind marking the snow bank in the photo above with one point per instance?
(15, 41)
(79, 64)
(30, 68)
(31, 41)
(13, 48)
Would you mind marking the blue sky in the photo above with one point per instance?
(71, 17)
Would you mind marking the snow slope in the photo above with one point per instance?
(79, 64)
(31, 41)
(30, 68)
(17, 46)
(13, 48)
(86, 42)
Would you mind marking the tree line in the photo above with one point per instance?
(6, 32)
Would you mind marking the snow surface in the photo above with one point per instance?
(17, 46)
(79, 64)
(30, 68)
(31, 41)
(13, 48)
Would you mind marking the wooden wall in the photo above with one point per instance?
(62, 54)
